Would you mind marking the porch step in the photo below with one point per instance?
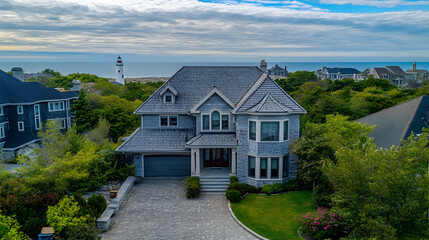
(214, 185)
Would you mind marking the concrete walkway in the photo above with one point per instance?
(159, 209)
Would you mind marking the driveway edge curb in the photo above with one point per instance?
(242, 225)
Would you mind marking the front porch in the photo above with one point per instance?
(213, 162)
(213, 154)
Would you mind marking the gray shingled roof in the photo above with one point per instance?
(397, 122)
(193, 82)
(343, 70)
(13, 91)
(156, 140)
(213, 139)
(396, 70)
(260, 90)
(276, 68)
(269, 104)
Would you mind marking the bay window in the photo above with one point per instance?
(263, 173)
(273, 168)
(252, 166)
(269, 131)
(252, 130)
(285, 130)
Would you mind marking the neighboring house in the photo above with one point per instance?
(396, 123)
(417, 75)
(206, 118)
(336, 73)
(278, 71)
(394, 74)
(24, 107)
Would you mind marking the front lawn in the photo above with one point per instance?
(273, 216)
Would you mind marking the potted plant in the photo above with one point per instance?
(113, 193)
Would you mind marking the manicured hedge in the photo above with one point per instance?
(193, 187)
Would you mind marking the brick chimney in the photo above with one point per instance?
(263, 66)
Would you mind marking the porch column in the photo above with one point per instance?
(234, 162)
(197, 161)
(281, 167)
(193, 172)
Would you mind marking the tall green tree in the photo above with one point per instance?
(83, 114)
(383, 193)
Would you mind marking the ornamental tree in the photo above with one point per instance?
(65, 214)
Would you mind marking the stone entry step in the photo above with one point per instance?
(214, 185)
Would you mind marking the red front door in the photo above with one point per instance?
(217, 157)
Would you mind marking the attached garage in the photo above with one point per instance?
(167, 166)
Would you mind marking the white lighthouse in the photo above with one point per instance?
(120, 71)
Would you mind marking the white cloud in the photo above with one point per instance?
(376, 3)
(188, 27)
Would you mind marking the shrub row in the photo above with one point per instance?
(236, 190)
(193, 187)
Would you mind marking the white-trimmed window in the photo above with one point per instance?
(1, 111)
(252, 130)
(20, 126)
(68, 104)
(215, 121)
(286, 130)
(61, 122)
(268, 167)
(268, 130)
(168, 121)
(2, 130)
(20, 109)
(56, 106)
(37, 116)
(168, 98)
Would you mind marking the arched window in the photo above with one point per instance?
(215, 120)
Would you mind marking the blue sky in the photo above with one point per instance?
(214, 30)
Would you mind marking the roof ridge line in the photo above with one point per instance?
(412, 116)
(250, 92)
(291, 98)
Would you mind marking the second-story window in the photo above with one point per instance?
(20, 109)
(56, 106)
(1, 111)
(165, 121)
(269, 131)
(216, 121)
(20, 126)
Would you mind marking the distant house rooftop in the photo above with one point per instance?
(396, 123)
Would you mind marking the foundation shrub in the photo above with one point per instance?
(273, 188)
(233, 195)
(193, 187)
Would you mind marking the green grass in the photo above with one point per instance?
(273, 216)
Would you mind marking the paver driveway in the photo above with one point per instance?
(158, 209)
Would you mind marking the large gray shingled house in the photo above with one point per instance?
(24, 107)
(212, 121)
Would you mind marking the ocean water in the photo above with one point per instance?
(167, 69)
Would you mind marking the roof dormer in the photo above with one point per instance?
(169, 94)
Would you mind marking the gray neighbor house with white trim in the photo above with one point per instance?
(226, 120)
(24, 107)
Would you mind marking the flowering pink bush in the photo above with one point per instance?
(322, 224)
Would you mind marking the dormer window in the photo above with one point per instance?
(168, 98)
(169, 94)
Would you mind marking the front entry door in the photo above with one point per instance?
(217, 157)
